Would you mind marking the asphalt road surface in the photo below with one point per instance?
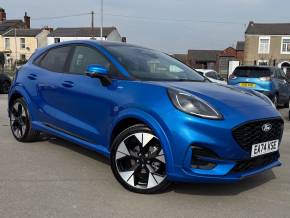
(55, 178)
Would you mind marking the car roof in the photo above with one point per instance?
(98, 43)
(95, 43)
(253, 66)
(205, 70)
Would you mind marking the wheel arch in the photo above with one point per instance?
(140, 117)
(19, 92)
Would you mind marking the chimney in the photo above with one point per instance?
(26, 21)
(47, 28)
(2, 15)
(252, 23)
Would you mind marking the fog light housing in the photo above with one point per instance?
(202, 158)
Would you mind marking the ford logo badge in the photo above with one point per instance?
(267, 127)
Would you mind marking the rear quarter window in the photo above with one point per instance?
(54, 59)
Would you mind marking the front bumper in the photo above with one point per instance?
(185, 131)
(188, 176)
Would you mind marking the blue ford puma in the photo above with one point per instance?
(155, 118)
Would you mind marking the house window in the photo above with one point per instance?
(23, 57)
(285, 45)
(56, 40)
(264, 45)
(7, 43)
(22, 43)
(263, 62)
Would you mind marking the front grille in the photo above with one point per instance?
(246, 165)
(251, 133)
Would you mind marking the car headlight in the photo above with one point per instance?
(193, 105)
(264, 97)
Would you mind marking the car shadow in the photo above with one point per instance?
(224, 189)
(76, 148)
(206, 189)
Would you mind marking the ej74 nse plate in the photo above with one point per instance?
(265, 148)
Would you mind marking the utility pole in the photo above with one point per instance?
(92, 20)
(102, 13)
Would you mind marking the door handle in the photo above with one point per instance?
(32, 76)
(68, 84)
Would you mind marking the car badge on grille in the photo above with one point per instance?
(267, 127)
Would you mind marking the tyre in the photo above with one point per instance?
(286, 105)
(5, 87)
(138, 161)
(20, 122)
(289, 111)
(275, 100)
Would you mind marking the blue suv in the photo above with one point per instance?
(270, 81)
(157, 120)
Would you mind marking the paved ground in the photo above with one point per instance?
(58, 179)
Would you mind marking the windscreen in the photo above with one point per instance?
(147, 64)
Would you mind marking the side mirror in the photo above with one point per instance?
(100, 72)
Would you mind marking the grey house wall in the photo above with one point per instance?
(114, 36)
(42, 39)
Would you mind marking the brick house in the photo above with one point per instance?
(268, 44)
(203, 59)
(217, 60)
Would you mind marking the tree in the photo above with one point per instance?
(2, 60)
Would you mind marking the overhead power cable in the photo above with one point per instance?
(143, 19)
(61, 17)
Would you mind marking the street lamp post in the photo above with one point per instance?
(15, 41)
(102, 10)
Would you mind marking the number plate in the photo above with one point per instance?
(264, 148)
(249, 85)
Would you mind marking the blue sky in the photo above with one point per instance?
(169, 25)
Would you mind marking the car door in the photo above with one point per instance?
(47, 71)
(86, 103)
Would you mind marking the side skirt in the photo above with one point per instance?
(70, 137)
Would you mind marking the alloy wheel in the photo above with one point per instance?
(18, 120)
(140, 161)
(5, 87)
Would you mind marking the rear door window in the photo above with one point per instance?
(252, 72)
(55, 59)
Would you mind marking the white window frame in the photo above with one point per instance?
(22, 43)
(284, 52)
(56, 38)
(263, 61)
(5, 45)
(259, 47)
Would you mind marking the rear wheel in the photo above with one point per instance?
(20, 122)
(5, 87)
(286, 105)
(138, 161)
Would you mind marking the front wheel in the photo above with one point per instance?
(138, 161)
